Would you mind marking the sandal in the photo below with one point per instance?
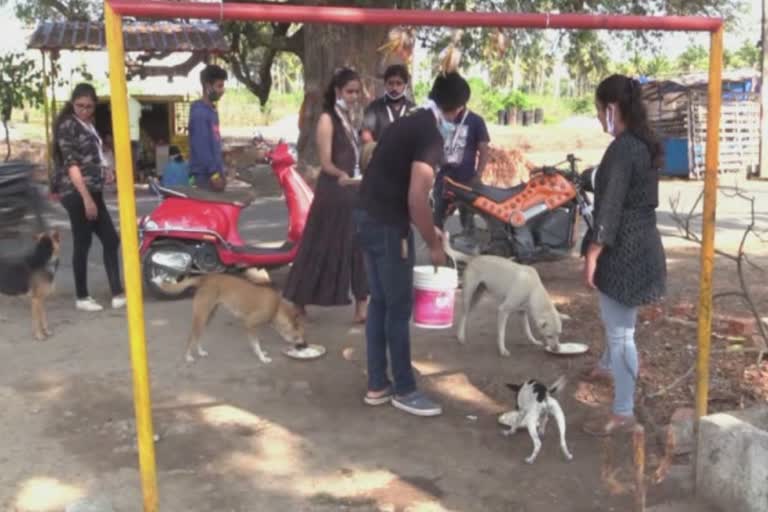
(602, 427)
(379, 400)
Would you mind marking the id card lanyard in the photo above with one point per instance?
(353, 138)
(399, 115)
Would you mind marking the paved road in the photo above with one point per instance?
(265, 220)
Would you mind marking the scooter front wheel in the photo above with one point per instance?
(155, 274)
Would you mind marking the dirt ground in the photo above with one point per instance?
(236, 435)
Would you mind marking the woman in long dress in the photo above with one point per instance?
(329, 267)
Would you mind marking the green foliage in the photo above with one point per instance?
(20, 86)
(582, 105)
(694, 58)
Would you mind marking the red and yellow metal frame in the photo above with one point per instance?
(115, 9)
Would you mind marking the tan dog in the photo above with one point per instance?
(256, 305)
(34, 277)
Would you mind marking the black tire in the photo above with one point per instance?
(149, 270)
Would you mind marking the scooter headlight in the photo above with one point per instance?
(149, 224)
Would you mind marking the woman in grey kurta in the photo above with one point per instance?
(624, 256)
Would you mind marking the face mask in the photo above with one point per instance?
(343, 105)
(447, 129)
(213, 96)
(394, 96)
(610, 126)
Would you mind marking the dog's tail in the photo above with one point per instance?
(181, 286)
(558, 386)
(456, 256)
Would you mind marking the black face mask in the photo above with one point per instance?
(213, 96)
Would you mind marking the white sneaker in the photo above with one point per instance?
(88, 304)
(118, 302)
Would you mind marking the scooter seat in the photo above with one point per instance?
(495, 194)
(237, 197)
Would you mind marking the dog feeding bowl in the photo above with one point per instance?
(509, 419)
(304, 352)
(569, 349)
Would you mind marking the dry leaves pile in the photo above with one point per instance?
(506, 168)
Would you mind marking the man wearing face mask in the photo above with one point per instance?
(394, 195)
(206, 165)
(466, 155)
(389, 108)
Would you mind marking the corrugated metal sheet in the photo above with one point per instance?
(137, 37)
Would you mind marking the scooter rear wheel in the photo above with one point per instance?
(151, 272)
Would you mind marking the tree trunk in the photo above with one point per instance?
(7, 140)
(764, 95)
(327, 48)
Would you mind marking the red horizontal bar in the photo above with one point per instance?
(361, 16)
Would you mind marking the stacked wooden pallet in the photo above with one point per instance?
(739, 132)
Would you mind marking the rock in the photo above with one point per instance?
(732, 460)
(99, 504)
(683, 425)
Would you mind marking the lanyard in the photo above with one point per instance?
(92, 130)
(353, 137)
(457, 131)
(399, 115)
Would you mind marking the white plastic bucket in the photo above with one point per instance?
(434, 294)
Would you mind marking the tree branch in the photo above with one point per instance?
(134, 68)
(740, 258)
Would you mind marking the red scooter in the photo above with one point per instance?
(195, 231)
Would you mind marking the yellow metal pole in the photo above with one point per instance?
(130, 248)
(708, 220)
(46, 113)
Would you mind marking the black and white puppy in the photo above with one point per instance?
(535, 403)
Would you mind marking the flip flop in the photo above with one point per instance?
(379, 400)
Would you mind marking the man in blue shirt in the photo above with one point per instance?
(176, 171)
(466, 155)
(206, 165)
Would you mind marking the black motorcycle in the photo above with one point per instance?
(532, 222)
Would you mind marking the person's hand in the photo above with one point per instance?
(436, 250)
(91, 211)
(109, 176)
(590, 264)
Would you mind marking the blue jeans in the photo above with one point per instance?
(390, 279)
(620, 355)
(440, 206)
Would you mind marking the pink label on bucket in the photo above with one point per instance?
(433, 308)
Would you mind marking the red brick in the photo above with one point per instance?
(738, 325)
(683, 310)
(651, 313)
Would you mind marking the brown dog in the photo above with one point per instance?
(256, 305)
(34, 276)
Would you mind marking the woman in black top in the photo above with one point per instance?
(79, 180)
(624, 256)
(329, 267)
